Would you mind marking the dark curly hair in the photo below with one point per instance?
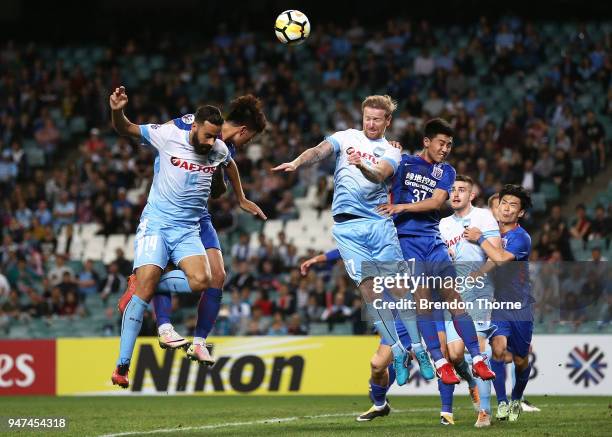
(247, 111)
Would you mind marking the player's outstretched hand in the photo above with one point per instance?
(286, 166)
(472, 234)
(306, 266)
(118, 99)
(396, 144)
(388, 209)
(252, 208)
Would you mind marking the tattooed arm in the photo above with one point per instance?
(309, 157)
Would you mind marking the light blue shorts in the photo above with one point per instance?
(157, 243)
(369, 248)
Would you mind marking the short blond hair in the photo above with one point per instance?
(380, 102)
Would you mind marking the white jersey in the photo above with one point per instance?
(182, 177)
(353, 193)
(468, 256)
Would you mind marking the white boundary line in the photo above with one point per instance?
(274, 420)
(269, 421)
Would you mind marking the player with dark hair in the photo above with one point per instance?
(420, 188)
(169, 224)
(512, 286)
(245, 119)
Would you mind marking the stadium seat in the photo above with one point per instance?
(113, 242)
(78, 125)
(597, 243)
(318, 329)
(577, 168)
(36, 157)
(94, 248)
(88, 230)
(342, 329)
(539, 202)
(550, 190)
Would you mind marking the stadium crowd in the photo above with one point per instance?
(527, 101)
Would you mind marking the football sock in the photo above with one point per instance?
(403, 334)
(208, 309)
(512, 374)
(464, 325)
(446, 396)
(484, 389)
(522, 378)
(162, 304)
(427, 328)
(130, 327)
(464, 371)
(391, 375)
(384, 322)
(379, 394)
(499, 367)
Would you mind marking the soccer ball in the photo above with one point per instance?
(292, 27)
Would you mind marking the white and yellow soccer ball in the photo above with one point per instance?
(292, 27)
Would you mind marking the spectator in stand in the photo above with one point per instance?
(582, 226)
(337, 313)
(295, 327)
(56, 274)
(115, 282)
(63, 212)
(241, 250)
(601, 226)
(123, 265)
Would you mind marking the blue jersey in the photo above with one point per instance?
(353, 193)
(512, 282)
(415, 181)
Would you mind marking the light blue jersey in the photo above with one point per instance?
(169, 226)
(363, 236)
(353, 193)
(181, 183)
(469, 257)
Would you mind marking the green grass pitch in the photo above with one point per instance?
(297, 415)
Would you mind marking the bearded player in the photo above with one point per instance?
(243, 122)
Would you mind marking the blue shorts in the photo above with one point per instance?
(208, 234)
(518, 333)
(368, 241)
(157, 243)
(430, 255)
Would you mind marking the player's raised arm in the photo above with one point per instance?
(118, 100)
(311, 156)
(244, 203)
